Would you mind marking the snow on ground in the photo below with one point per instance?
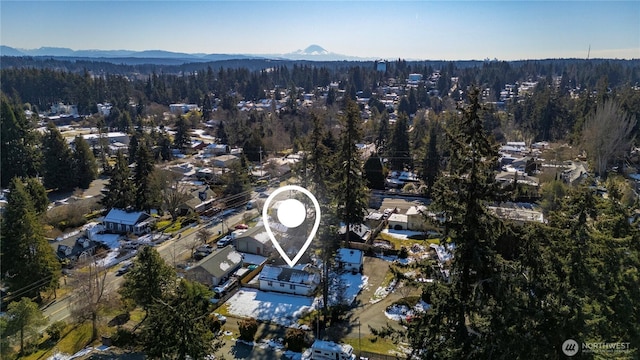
(383, 292)
(401, 234)
(282, 309)
(350, 284)
(402, 312)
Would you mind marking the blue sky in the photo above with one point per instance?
(450, 30)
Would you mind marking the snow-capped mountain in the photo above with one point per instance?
(311, 53)
(312, 50)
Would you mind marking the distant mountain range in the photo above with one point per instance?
(311, 53)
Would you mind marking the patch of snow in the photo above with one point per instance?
(383, 292)
(282, 309)
(349, 284)
(401, 234)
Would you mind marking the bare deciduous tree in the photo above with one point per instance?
(174, 194)
(90, 295)
(606, 134)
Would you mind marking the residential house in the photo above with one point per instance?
(217, 149)
(217, 267)
(75, 247)
(224, 161)
(121, 222)
(357, 232)
(288, 280)
(255, 241)
(182, 108)
(398, 221)
(416, 218)
(350, 260)
(200, 201)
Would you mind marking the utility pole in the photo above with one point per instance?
(261, 168)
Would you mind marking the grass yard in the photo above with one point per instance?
(74, 339)
(373, 344)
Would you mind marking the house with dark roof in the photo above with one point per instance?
(121, 222)
(216, 268)
(75, 248)
(200, 201)
(288, 280)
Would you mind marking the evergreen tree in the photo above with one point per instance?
(181, 138)
(23, 316)
(318, 163)
(134, 144)
(85, 166)
(221, 134)
(149, 280)
(38, 195)
(399, 150)
(237, 185)
(455, 327)
(383, 134)
(431, 159)
(179, 327)
(120, 189)
(351, 194)
(18, 154)
(374, 172)
(147, 196)
(164, 143)
(29, 264)
(58, 161)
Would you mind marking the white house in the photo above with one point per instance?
(398, 221)
(350, 260)
(121, 222)
(288, 280)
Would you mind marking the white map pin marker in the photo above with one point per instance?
(291, 213)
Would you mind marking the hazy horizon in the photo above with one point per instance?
(417, 30)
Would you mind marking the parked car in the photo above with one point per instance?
(224, 241)
(242, 227)
(127, 265)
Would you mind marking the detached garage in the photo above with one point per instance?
(398, 222)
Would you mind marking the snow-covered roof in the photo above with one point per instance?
(415, 210)
(350, 256)
(221, 262)
(120, 216)
(286, 274)
(398, 218)
(259, 233)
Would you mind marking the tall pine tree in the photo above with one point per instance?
(120, 189)
(350, 191)
(18, 153)
(57, 167)
(29, 264)
(85, 166)
(455, 328)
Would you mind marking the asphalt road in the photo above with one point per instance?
(174, 251)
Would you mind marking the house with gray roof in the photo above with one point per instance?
(254, 241)
(120, 221)
(217, 267)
